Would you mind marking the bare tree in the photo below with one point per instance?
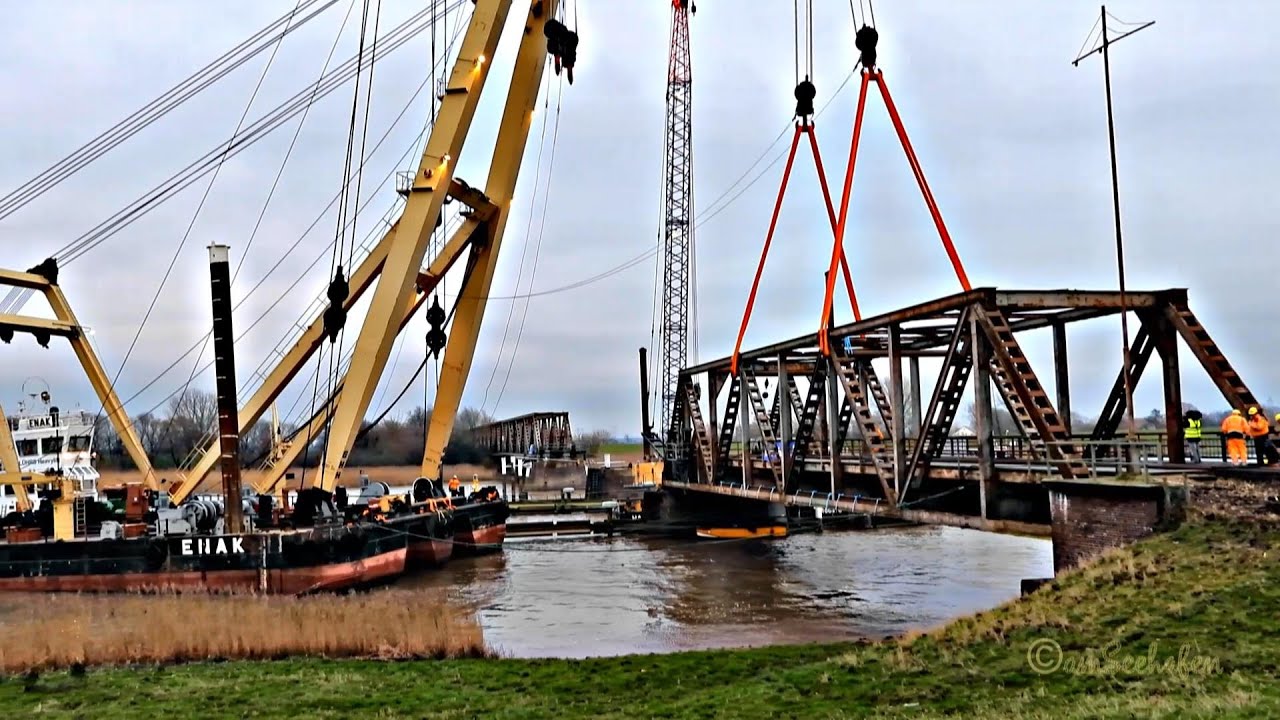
(593, 441)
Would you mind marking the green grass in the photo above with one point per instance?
(1212, 586)
(620, 448)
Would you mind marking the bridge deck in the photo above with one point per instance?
(873, 507)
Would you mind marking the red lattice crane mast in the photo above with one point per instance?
(677, 235)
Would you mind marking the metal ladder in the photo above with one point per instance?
(80, 512)
(808, 413)
(872, 435)
(701, 438)
(762, 420)
(775, 409)
(868, 374)
(730, 424)
(1026, 398)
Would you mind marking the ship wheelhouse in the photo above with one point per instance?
(52, 442)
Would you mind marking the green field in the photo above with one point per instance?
(621, 449)
(1203, 602)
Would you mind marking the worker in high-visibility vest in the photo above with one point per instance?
(455, 486)
(1260, 431)
(1191, 432)
(475, 483)
(1234, 429)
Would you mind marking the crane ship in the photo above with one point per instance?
(61, 532)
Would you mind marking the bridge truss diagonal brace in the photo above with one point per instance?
(1044, 419)
(809, 415)
(1220, 371)
(859, 412)
(729, 425)
(768, 433)
(944, 404)
(1113, 408)
(689, 413)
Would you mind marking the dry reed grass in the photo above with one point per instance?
(58, 631)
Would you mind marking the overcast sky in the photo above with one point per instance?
(1011, 136)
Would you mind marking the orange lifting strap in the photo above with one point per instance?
(804, 127)
(873, 74)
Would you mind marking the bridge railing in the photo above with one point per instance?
(1011, 448)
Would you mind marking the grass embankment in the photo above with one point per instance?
(1208, 593)
(62, 631)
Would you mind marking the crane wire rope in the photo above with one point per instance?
(528, 233)
(117, 134)
(204, 343)
(617, 269)
(537, 250)
(340, 232)
(546, 193)
(652, 251)
(178, 251)
(263, 126)
(297, 242)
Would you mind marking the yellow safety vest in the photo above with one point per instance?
(1192, 431)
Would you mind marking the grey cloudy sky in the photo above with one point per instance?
(1010, 135)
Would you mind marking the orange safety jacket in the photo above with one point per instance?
(1258, 426)
(1235, 425)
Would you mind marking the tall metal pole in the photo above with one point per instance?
(1131, 429)
(1131, 425)
(677, 243)
(225, 370)
(646, 429)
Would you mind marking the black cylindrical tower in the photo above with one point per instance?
(225, 368)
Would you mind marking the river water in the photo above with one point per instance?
(592, 597)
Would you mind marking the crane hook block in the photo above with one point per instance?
(435, 318)
(805, 93)
(335, 316)
(435, 313)
(562, 43)
(865, 41)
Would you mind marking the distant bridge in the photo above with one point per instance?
(548, 434)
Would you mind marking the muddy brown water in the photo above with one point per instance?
(596, 597)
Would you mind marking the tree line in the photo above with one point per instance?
(174, 437)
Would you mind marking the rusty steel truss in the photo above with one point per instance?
(831, 402)
(548, 433)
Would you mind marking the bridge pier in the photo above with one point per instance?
(1092, 516)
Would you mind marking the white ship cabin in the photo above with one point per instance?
(49, 441)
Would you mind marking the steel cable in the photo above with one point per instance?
(159, 107)
(256, 131)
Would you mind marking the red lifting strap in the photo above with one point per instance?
(807, 129)
(837, 251)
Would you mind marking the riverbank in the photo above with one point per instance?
(1179, 625)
